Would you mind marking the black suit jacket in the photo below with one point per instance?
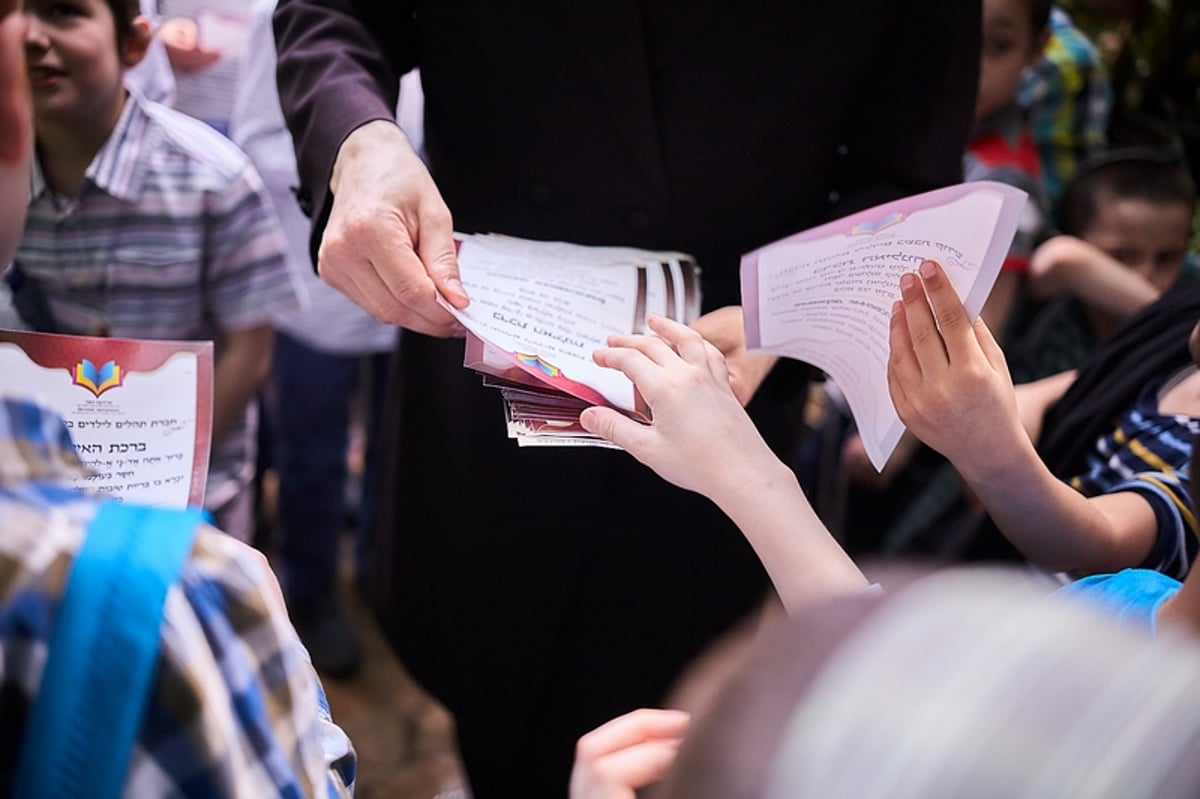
(540, 592)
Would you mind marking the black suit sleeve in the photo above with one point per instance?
(909, 130)
(339, 67)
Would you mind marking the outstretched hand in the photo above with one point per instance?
(389, 242)
(948, 377)
(724, 329)
(627, 753)
(700, 438)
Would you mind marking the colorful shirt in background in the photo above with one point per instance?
(173, 236)
(1001, 149)
(236, 708)
(1068, 102)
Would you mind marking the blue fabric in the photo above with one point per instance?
(310, 417)
(103, 652)
(1131, 595)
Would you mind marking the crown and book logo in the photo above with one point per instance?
(540, 363)
(870, 227)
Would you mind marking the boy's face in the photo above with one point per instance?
(16, 130)
(76, 70)
(1147, 237)
(1009, 45)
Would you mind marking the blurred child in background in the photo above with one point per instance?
(1001, 147)
(1125, 221)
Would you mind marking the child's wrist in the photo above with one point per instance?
(751, 484)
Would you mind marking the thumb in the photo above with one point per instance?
(440, 257)
(443, 269)
(612, 426)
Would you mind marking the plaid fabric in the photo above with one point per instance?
(1150, 453)
(236, 708)
(1069, 100)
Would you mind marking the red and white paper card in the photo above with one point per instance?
(139, 411)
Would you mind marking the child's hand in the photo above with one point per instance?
(948, 378)
(627, 753)
(701, 439)
(725, 329)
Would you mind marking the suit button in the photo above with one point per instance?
(540, 194)
(637, 220)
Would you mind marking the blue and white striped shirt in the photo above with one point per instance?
(1149, 453)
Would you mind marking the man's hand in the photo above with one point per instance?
(725, 329)
(181, 38)
(627, 753)
(389, 242)
(948, 378)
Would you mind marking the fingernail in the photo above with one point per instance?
(928, 268)
(455, 285)
(897, 307)
(908, 282)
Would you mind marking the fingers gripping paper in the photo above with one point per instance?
(824, 296)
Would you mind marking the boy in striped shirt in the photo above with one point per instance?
(144, 223)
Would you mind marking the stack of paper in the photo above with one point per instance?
(540, 309)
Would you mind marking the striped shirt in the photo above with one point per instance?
(172, 236)
(235, 708)
(1149, 454)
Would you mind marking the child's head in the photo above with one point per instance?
(125, 14)
(1014, 34)
(945, 688)
(16, 130)
(78, 51)
(1135, 205)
